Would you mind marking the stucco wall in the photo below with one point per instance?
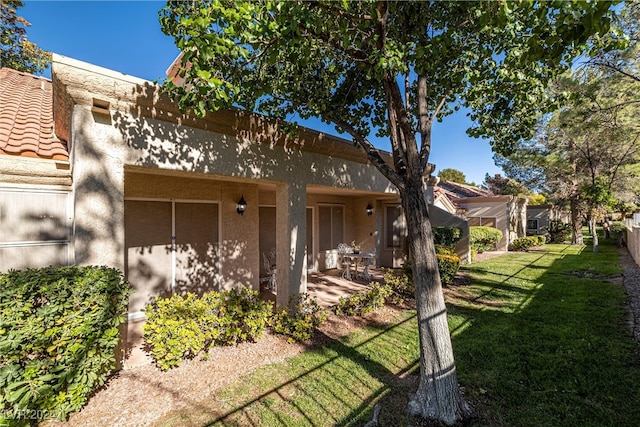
(497, 210)
(541, 214)
(141, 131)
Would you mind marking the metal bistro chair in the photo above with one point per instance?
(345, 261)
(367, 262)
(269, 262)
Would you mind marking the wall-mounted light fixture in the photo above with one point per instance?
(369, 209)
(242, 205)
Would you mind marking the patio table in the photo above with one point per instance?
(366, 259)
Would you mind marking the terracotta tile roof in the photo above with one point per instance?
(26, 117)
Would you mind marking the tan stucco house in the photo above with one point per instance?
(135, 184)
(479, 207)
(540, 216)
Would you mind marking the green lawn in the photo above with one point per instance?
(540, 340)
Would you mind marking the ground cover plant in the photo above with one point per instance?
(59, 328)
(540, 337)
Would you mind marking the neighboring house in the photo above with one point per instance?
(539, 217)
(36, 205)
(114, 174)
(480, 207)
(444, 213)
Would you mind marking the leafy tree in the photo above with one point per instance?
(505, 185)
(389, 68)
(453, 175)
(537, 199)
(624, 59)
(16, 51)
(586, 152)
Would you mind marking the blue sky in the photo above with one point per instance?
(125, 36)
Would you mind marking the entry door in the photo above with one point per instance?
(172, 247)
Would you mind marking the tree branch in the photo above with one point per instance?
(373, 154)
(356, 54)
(340, 12)
(614, 68)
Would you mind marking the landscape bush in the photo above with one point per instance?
(59, 328)
(617, 227)
(558, 231)
(363, 302)
(401, 283)
(299, 320)
(448, 266)
(483, 238)
(618, 231)
(523, 244)
(446, 236)
(401, 280)
(181, 327)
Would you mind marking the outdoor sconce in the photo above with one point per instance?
(242, 205)
(369, 209)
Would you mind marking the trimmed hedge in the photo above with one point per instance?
(58, 332)
(484, 238)
(523, 244)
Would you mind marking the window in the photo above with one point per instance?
(331, 227)
(483, 221)
(36, 228)
(395, 227)
(532, 224)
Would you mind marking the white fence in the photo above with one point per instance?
(633, 237)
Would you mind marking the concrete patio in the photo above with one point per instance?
(328, 286)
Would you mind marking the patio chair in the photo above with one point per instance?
(269, 263)
(367, 262)
(345, 261)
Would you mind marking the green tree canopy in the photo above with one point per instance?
(16, 51)
(387, 68)
(503, 185)
(453, 175)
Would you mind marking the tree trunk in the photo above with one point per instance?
(576, 223)
(438, 396)
(594, 233)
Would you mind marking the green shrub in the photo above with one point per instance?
(364, 302)
(523, 244)
(401, 283)
(401, 280)
(181, 327)
(174, 329)
(616, 228)
(448, 266)
(446, 236)
(484, 238)
(299, 320)
(542, 240)
(58, 333)
(558, 231)
(445, 250)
